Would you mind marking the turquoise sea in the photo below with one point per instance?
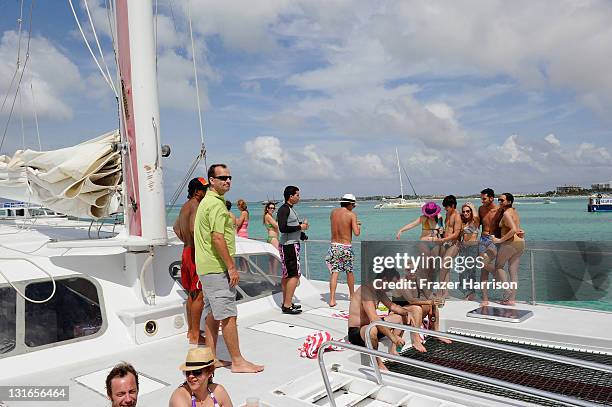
(547, 226)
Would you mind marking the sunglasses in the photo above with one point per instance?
(467, 211)
(271, 207)
(195, 373)
(224, 177)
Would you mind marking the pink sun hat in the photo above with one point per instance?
(431, 209)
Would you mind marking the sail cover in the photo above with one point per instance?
(82, 180)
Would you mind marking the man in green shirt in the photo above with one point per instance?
(215, 245)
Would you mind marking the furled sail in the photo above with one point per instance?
(82, 180)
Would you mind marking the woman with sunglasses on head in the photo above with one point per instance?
(512, 245)
(469, 247)
(270, 224)
(242, 223)
(198, 390)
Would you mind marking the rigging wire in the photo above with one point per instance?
(195, 73)
(17, 65)
(35, 117)
(410, 182)
(202, 154)
(93, 29)
(19, 26)
(106, 79)
(25, 63)
(21, 117)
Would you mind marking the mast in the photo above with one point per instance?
(399, 172)
(143, 187)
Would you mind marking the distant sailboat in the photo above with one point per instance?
(400, 203)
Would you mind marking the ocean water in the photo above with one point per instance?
(547, 226)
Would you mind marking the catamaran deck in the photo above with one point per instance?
(269, 337)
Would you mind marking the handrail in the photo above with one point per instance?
(442, 369)
(487, 344)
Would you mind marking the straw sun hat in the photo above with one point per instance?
(198, 358)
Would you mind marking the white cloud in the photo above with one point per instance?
(266, 154)
(551, 139)
(51, 74)
(269, 159)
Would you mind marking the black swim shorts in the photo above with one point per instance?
(355, 338)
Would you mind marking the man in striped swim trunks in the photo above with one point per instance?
(340, 255)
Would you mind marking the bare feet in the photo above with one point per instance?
(470, 297)
(508, 302)
(382, 366)
(484, 303)
(444, 340)
(246, 367)
(332, 303)
(199, 341)
(222, 363)
(418, 346)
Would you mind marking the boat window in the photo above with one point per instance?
(37, 212)
(73, 312)
(20, 212)
(260, 274)
(7, 319)
(2, 212)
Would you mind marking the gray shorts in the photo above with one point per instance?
(219, 297)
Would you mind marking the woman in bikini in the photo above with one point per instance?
(468, 247)
(512, 245)
(198, 390)
(270, 224)
(242, 223)
(430, 233)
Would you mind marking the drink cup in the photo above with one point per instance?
(252, 402)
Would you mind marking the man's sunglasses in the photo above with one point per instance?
(197, 372)
(224, 177)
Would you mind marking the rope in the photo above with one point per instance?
(21, 294)
(106, 79)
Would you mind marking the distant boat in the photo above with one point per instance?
(600, 203)
(400, 203)
(547, 200)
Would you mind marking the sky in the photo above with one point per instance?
(317, 93)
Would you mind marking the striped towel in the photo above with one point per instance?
(312, 344)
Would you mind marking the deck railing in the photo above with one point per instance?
(529, 260)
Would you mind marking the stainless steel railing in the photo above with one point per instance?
(454, 372)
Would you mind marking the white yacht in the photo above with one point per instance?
(400, 203)
(72, 306)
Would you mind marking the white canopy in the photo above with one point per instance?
(81, 180)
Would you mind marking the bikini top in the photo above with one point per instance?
(470, 228)
(194, 403)
(269, 226)
(426, 224)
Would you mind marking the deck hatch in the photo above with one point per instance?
(569, 380)
(96, 381)
(283, 329)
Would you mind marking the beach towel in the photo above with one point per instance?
(312, 344)
(345, 315)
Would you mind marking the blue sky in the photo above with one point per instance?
(513, 95)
